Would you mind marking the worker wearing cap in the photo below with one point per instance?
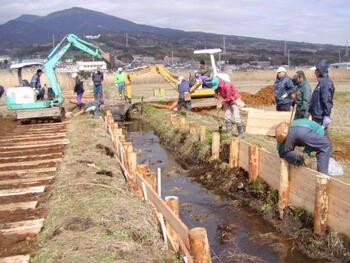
(78, 88)
(119, 81)
(284, 87)
(231, 102)
(322, 96)
(36, 85)
(184, 98)
(304, 133)
(303, 95)
(97, 79)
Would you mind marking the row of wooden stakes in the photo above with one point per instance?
(191, 243)
(321, 194)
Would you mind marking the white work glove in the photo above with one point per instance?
(285, 95)
(240, 103)
(218, 105)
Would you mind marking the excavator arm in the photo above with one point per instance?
(57, 53)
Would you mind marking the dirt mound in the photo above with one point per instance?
(265, 96)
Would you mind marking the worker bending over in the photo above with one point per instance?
(303, 96)
(303, 133)
(231, 103)
(284, 88)
(36, 85)
(184, 95)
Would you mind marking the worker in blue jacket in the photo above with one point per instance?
(36, 85)
(184, 95)
(284, 88)
(322, 97)
(309, 134)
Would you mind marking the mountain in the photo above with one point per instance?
(24, 33)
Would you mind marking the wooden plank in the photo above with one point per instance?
(243, 154)
(30, 163)
(25, 136)
(269, 168)
(179, 227)
(22, 191)
(57, 148)
(58, 143)
(30, 180)
(32, 143)
(21, 205)
(29, 227)
(30, 156)
(16, 259)
(33, 138)
(265, 122)
(28, 171)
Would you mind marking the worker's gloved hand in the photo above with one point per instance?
(285, 95)
(293, 95)
(218, 105)
(326, 121)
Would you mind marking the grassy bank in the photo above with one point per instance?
(233, 183)
(93, 215)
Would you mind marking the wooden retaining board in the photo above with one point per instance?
(24, 172)
(243, 155)
(23, 228)
(265, 122)
(269, 168)
(16, 259)
(20, 205)
(22, 191)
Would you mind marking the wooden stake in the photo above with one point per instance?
(253, 162)
(173, 119)
(151, 178)
(215, 146)
(144, 191)
(142, 169)
(203, 133)
(159, 182)
(182, 124)
(234, 153)
(173, 203)
(192, 127)
(321, 205)
(284, 188)
(199, 245)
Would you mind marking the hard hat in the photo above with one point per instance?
(215, 82)
(74, 75)
(282, 132)
(120, 69)
(281, 69)
(180, 79)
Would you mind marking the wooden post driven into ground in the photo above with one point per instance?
(192, 127)
(199, 245)
(321, 205)
(173, 203)
(234, 153)
(173, 119)
(215, 146)
(253, 162)
(284, 188)
(182, 124)
(203, 134)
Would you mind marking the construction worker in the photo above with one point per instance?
(231, 103)
(303, 96)
(184, 94)
(97, 79)
(2, 90)
(304, 133)
(204, 73)
(119, 81)
(128, 91)
(322, 96)
(284, 87)
(78, 88)
(36, 85)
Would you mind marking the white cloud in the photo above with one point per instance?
(323, 21)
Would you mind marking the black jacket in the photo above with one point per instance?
(78, 88)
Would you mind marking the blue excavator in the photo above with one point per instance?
(23, 100)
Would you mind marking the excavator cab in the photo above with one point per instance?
(206, 91)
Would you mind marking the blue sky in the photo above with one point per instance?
(321, 21)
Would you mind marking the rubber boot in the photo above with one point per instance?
(240, 130)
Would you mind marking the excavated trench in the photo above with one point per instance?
(236, 233)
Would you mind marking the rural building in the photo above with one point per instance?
(341, 65)
(91, 65)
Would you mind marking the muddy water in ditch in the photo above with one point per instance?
(235, 233)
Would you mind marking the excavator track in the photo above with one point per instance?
(29, 158)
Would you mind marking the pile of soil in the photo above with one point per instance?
(264, 97)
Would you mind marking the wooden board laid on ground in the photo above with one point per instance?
(16, 259)
(261, 122)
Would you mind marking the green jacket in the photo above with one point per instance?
(119, 78)
(306, 123)
(303, 100)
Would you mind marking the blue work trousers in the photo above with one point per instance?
(98, 93)
(305, 137)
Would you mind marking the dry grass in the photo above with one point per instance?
(96, 218)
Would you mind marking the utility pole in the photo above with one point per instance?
(172, 57)
(339, 56)
(288, 58)
(347, 49)
(126, 40)
(285, 48)
(224, 44)
(53, 40)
